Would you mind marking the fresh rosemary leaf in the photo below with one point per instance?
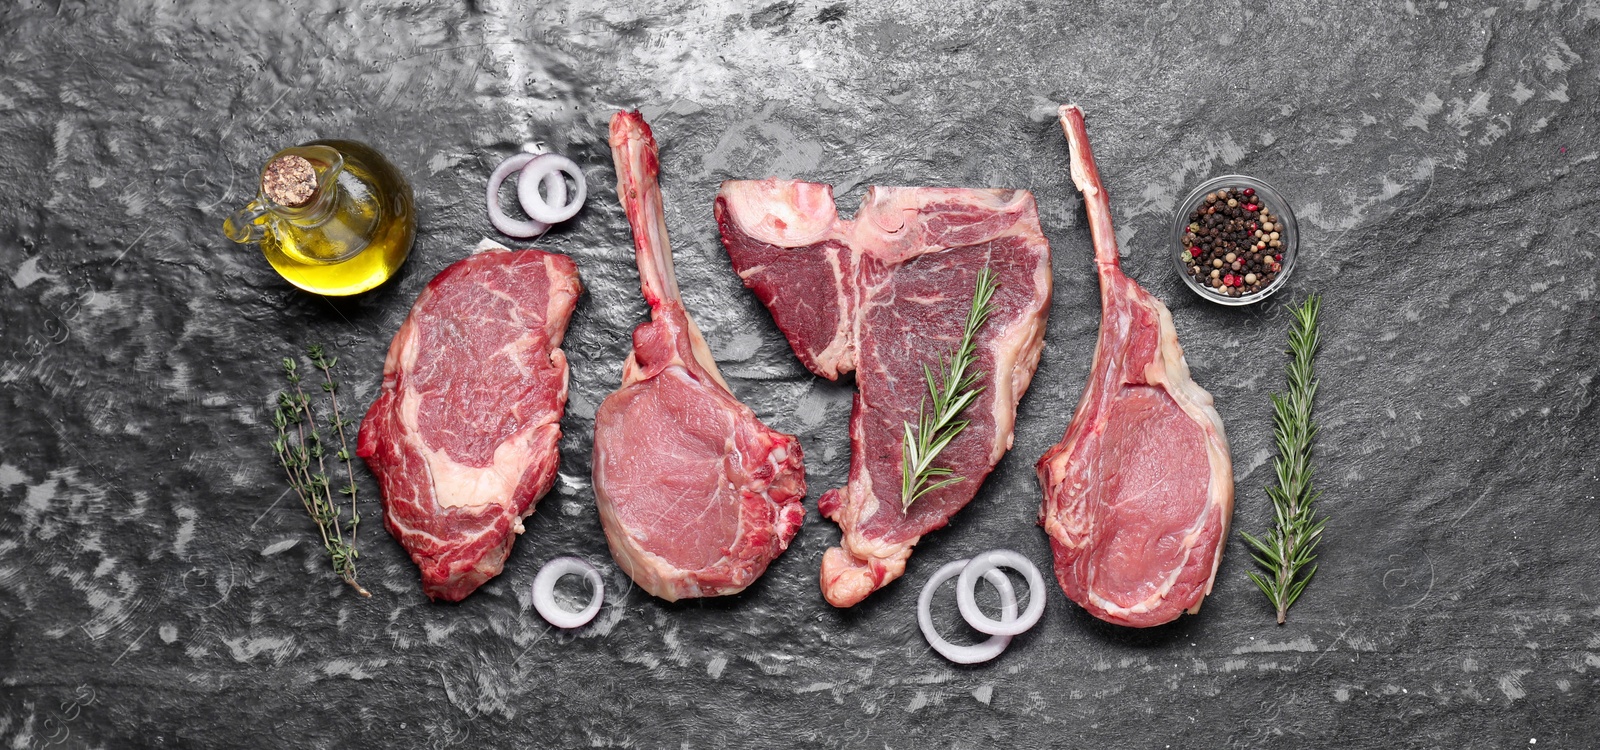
(1287, 553)
(950, 391)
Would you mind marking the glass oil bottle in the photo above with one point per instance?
(333, 217)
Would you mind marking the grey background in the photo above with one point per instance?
(157, 589)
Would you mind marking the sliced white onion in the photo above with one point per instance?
(544, 592)
(984, 564)
(528, 180)
(979, 652)
(548, 169)
(497, 216)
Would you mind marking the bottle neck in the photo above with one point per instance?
(301, 184)
(315, 211)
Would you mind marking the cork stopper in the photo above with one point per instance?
(289, 181)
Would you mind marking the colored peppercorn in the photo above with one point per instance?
(1237, 239)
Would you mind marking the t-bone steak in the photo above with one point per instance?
(696, 495)
(882, 295)
(463, 434)
(1139, 493)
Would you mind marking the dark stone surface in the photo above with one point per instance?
(157, 590)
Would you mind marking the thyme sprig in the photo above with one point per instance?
(952, 389)
(302, 452)
(1288, 552)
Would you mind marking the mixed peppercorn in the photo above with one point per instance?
(1234, 244)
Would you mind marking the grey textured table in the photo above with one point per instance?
(157, 590)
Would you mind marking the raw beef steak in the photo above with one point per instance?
(463, 435)
(1138, 494)
(696, 495)
(883, 295)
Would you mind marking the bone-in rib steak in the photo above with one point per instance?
(883, 295)
(696, 495)
(1139, 493)
(463, 435)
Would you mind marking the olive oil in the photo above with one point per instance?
(333, 217)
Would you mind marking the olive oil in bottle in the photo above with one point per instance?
(333, 217)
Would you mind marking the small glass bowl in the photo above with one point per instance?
(1289, 235)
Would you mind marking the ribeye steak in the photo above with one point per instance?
(1139, 493)
(463, 434)
(883, 294)
(696, 495)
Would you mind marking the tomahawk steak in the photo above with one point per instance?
(696, 495)
(1139, 493)
(463, 434)
(882, 295)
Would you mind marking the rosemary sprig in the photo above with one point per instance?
(951, 390)
(300, 450)
(1288, 551)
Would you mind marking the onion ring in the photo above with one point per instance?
(538, 170)
(548, 168)
(544, 592)
(497, 216)
(984, 564)
(975, 653)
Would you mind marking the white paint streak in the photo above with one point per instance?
(348, 668)
(185, 534)
(1426, 107)
(1303, 643)
(29, 272)
(245, 649)
(10, 476)
(279, 546)
(1511, 685)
